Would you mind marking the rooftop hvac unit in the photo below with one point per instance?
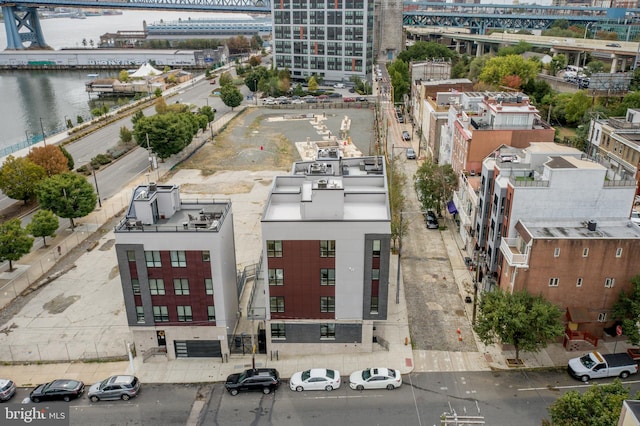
(315, 168)
(322, 183)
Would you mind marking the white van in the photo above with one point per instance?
(338, 86)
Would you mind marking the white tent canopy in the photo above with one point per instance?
(145, 70)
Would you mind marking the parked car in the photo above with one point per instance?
(362, 99)
(375, 378)
(339, 85)
(63, 389)
(7, 389)
(115, 387)
(334, 95)
(348, 100)
(400, 118)
(212, 81)
(411, 154)
(315, 379)
(265, 380)
(405, 135)
(430, 215)
(595, 365)
(432, 224)
(352, 90)
(297, 101)
(614, 45)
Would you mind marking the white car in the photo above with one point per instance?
(375, 378)
(315, 379)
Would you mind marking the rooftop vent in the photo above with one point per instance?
(592, 225)
(322, 183)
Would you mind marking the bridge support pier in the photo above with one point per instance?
(17, 18)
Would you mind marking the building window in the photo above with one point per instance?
(208, 286)
(206, 256)
(211, 313)
(553, 282)
(135, 285)
(184, 313)
(328, 248)
(276, 303)
(160, 314)
(556, 252)
(131, 255)
(376, 248)
(156, 286)
(602, 317)
(153, 259)
(140, 313)
(278, 331)
(276, 276)
(609, 282)
(327, 304)
(327, 276)
(579, 282)
(375, 274)
(619, 252)
(181, 286)
(274, 248)
(178, 259)
(374, 305)
(328, 331)
(585, 252)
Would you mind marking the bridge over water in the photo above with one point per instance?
(22, 23)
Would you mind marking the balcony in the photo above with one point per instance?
(511, 253)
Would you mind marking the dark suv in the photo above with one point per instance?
(258, 379)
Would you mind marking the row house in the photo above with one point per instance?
(615, 143)
(178, 272)
(430, 102)
(324, 276)
(482, 122)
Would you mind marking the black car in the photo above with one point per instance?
(265, 380)
(63, 389)
(334, 95)
(432, 224)
(430, 215)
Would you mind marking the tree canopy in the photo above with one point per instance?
(435, 184)
(43, 224)
(498, 68)
(627, 309)
(231, 96)
(599, 405)
(14, 241)
(423, 50)
(68, 195)
(20, 177)
(520, 319)
(50, 158)
(168, 133)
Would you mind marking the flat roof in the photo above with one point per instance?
(575, 229)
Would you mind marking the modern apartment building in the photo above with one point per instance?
(481, 122)
(178, 270)
(330, 39)
(324, 277)
(615, 143)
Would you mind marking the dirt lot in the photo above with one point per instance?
(263, 139)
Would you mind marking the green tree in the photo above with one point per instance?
(43, 224)
(627, 310)
(136, 116)
(125, 135)
(520, 319)
(476, 65)
(255, 60)
(68, 195)
(158, 92)
(165, 134)
(231, 96)
(594, 67)
(124, 76)
(14, 241)
(423, 50)
(70, 162)
(225, 79)
(208, 112)
(435, 183)
(598, 406)
(20, 177)
(558, 62)
(497, 68)
(517, 49)
(399, 75)
(630, 100)
(576, 109)
(79, 119)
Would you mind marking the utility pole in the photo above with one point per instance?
(149, 153)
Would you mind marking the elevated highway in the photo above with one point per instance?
(621, 54)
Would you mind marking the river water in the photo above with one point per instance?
(35, 100)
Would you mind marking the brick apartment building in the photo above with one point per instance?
(325, 266)
(178, 271)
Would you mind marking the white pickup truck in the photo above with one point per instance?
(595, 365)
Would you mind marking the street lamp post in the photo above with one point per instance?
(95, 180)
(207, 100)
(476, 284)
(43, 136)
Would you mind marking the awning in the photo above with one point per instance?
(451, 207)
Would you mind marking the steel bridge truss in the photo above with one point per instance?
(23, 26)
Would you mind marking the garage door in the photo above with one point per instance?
(198, 348)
